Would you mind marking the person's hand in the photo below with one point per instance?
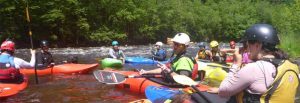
(163, 66)
(142, 71)
(213, 90)
(32, 51)
(51, 65)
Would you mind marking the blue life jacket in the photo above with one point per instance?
(7, 59)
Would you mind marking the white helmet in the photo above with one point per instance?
(159, 43)
(181, 38)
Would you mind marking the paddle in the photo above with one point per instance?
(30, 35)
(184, 80)
(111, 77)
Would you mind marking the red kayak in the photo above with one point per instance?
(10, 89)
(69, 68)
(138, 85)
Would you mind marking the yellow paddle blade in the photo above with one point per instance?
(184, 80)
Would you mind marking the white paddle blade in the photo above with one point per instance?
(109, 77)
(184, 80)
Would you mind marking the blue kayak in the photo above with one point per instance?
(161, 94)
(142, 60)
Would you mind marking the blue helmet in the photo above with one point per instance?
(114, 43)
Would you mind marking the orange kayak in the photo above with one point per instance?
(69, 68)
(138, 85)
(10, 89)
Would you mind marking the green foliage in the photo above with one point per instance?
(74, 22)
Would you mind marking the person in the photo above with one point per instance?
(270, 77)
(44, 58)
(159, 53)
(115, 52)
(216, 55)
(202, 54)
(10, 65)
(179, 63)
(232, 44)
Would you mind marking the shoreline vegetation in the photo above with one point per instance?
(92, 23)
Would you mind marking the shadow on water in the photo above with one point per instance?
(83, 88)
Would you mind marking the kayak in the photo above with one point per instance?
(162, 94)
(142, 60)
(214, 73)
(68, 68)
(10, 89)
(136, 85)
(111, 63)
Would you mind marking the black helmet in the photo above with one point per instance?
(264, 33)
(44, 43)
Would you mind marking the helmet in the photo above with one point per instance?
(201, 44)
(8, 45)
(264, 33)
(181, 38)
(214, 44)
(159, 43)
(114, 43)
(44, 43)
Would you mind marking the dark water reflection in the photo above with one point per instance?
(82, 88)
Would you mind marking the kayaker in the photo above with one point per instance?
(10, 65)
(232, 44)
(202, 54)
(271, 77)
(159, 53)
(115, 52)
(44, 58)
(179, 63)
(216, 55)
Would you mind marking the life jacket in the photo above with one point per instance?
(7, 68)
(218, 58)
(282, 90)
(194, 67)
(202, 55)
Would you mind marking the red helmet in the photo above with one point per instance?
(8, 45)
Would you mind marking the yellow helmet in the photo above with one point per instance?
(214, 44)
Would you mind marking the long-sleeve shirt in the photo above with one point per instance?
(116, 54)
(254, 78)
(20, 63)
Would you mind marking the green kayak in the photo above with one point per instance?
(111, 63)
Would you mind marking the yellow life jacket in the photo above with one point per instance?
(214, 74)
(284, 87)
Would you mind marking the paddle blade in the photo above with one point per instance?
(184, 80)
(109, 77)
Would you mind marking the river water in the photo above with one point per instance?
(82, 88)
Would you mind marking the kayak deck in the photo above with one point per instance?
(69, 68)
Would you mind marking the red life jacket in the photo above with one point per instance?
(7, 68)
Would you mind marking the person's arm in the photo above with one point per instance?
(20, 63)
(209, 53)
(157, 70)
(123, 56)
(236, 81)
(111, 53)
